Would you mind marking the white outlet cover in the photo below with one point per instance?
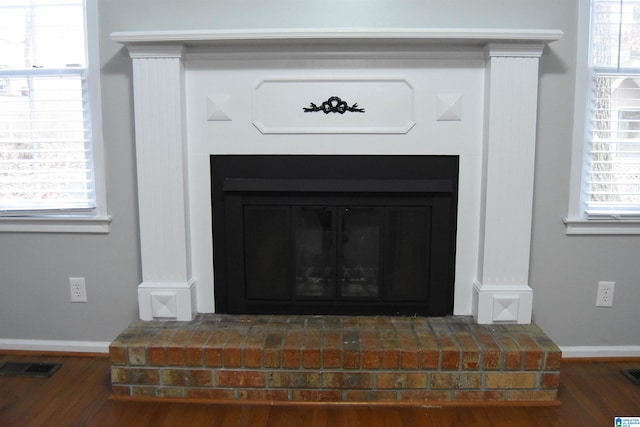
(164, 305)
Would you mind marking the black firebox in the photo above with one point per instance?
(334, 234)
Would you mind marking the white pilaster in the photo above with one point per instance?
(502, 293)
(167, 290)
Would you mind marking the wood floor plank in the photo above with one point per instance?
(592, 394)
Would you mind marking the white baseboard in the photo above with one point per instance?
(55, 346)
(600, 351)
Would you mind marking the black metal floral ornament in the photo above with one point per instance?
(333, 105)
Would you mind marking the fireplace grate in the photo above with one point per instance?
(633, 375)
(26, 369)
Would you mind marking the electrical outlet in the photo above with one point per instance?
(78, 289)
(605, 294)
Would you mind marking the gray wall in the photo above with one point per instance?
(564, 270)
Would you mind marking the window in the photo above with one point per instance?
(609, 177)
(613, 182)
(49, 112)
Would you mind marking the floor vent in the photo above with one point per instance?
(633, 375)
(12, 369)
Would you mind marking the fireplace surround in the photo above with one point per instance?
(347, 235)
(464, 92)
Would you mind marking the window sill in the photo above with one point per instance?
(601, 227)
(85, 225)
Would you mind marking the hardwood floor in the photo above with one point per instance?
(592, 393)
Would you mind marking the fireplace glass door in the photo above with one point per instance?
(335, 253)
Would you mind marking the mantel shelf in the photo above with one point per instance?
(414, 36)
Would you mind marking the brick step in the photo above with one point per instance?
(335, 359)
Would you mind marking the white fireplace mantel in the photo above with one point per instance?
(173, 285)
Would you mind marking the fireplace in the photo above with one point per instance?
(467, 93)
(334, 234)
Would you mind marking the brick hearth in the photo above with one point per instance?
(335, 359)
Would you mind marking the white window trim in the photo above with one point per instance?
(576, 222)
(99, 221)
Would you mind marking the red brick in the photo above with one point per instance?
(209, 394)
(371, 396)
(347, 380)
(532, 395)
(475, 396)
(213, 349)
(351, 360)
(122, 375)
(533, 355)
(450, 359)
(402, 380)
(117, 355)
(367, 323)
(263, 395)
(370, 349)
(272, 349)
(175, 356)
(170, 392)
(512, 352)
(470, 351)
(449, 353)
(213, 357)
(429, 359)
(240, 378)
(145, 376)
(423, 396)
(331, 349)
(316, 395)
(420, 324)
(120, 390)
(384, 323)
(187, 377)
(163, 338)
(350, 322)
(311, 355)
(409, 354)
(389, 348)
(293, 379)
(138, 391)
(194, 352)
(429, 349)
(232, 353)
(553, 361)
(291, 349)
(156, 356)
(550, 380)
(510, 380)
(512, 360)
(491, 351)
(351, 350)
(455, 381)
(252, 352)
(137, 355)
(390, 359)
(176, 347)
(193, 356)
(371, 360)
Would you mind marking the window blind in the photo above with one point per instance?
(45, 136)
(613, 172)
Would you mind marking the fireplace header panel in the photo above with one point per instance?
(334, 234)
